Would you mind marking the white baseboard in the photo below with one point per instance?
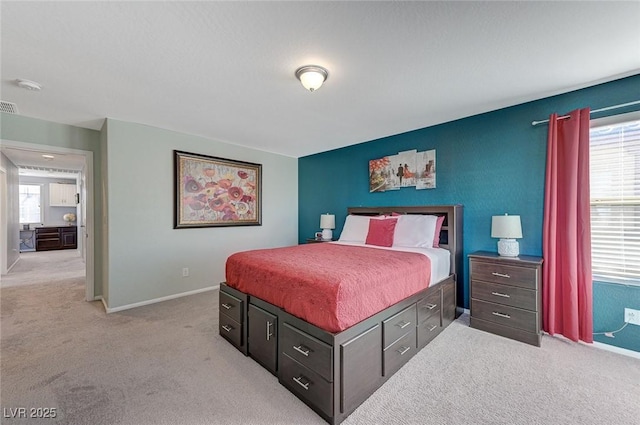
(158, 300)
(600, 346)
(613, 348)
(14, 263)
(104, 303)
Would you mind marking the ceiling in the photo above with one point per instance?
(225, 70)
(53, 164)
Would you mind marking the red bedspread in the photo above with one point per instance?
(328, 285)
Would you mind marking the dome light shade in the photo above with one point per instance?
(312, 76)
(28, 84)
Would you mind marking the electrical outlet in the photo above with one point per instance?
(632, 316)
(185, 272)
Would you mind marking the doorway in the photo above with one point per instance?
(28, 155)
(3, 221)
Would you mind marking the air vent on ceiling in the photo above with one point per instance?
(8, 107)
(50, 170)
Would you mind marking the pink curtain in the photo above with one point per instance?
(567, 291)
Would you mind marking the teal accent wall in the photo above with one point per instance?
(492, 163)
(609, 301)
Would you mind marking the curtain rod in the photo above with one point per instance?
(564, 117)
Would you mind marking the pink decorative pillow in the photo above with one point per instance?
(381, 232)
(436, 238)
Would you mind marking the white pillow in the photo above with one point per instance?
(356, 228)
(415, 231)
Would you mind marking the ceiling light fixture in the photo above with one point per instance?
(48, 157)
(28, 84)
(312, 76)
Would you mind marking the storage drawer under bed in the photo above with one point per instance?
(398, 325)
(231, 306)
(307, 350)
(307, 384)
(398, 353)
(429, 306)
(231, 330)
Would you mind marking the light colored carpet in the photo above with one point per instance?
(45, 267)
(166, 364)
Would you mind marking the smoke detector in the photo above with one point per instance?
(28, 84)
(8, 107)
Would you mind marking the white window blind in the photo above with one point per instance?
(615, 202)
(29, 199)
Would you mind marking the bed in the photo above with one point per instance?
(334, 334)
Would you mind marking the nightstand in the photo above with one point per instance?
(313, 240)
(506, 295)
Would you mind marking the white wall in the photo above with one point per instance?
(102, 217)
(51, 216)
(11, 210)
(32, 133)
(145, 254)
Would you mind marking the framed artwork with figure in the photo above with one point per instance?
(212, 192)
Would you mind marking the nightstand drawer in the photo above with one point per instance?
(525, 277)
(397, 326)
(505, 315)
(505, 294)
(307, 350)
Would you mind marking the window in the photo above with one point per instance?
(615, 202)
(29, 196)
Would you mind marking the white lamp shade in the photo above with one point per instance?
(506, 226)
(327, 221)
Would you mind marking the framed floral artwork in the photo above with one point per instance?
(212, 191)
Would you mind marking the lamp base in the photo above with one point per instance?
(327, 234)
(508, 248)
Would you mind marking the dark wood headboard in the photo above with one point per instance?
(450, 235)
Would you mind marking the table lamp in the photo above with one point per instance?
(327, 223)
(508, 228)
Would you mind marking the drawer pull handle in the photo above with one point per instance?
(501, 275)
(403, 324)
(226, 306)
(506, 316)
(432, 328)
(298, 380)
(430, 306)
(227, 328)
(498, 294)
(403, 350)
(269, 333)
(302, 350)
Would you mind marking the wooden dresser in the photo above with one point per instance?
(56, 237)
(506, 295)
